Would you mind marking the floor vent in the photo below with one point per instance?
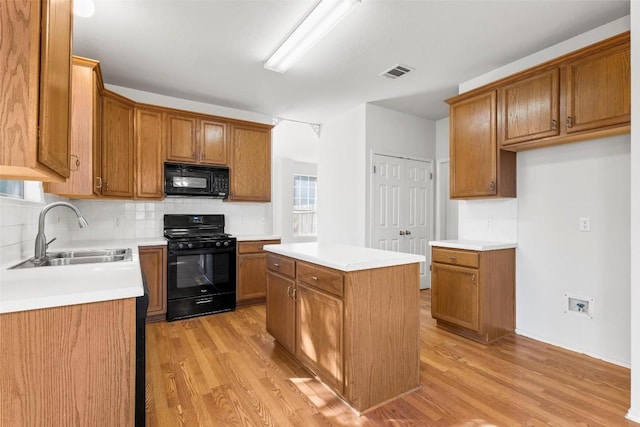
(398, 70)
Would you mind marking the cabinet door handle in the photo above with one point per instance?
(492, 186)
(569, 122)
(241, 261)
(106, 186)
(294, 293)
(473, 278)
(314, 278)
(289, 291)
(554, 125)
(98, 182)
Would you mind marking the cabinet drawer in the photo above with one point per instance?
(456, 257)
(254, 246)
(322, 278)
(282, 265)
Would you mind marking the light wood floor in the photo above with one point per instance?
(225, 370)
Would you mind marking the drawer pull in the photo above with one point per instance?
(452, 259)
(314, 278)
(276, 265)
(205, 301)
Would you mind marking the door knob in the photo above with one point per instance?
(407, 232)
(401, 233)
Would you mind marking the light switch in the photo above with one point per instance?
(585, 224)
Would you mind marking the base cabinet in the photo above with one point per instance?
(473, 292)
(69, 366)
(368, 353)
(153, 261)
(251, 275)
(281, 309)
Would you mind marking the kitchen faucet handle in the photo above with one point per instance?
(46, 246)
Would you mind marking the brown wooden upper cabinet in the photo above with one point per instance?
(36, 71)
(250, 162)
(85, 132)
(585, 94)
(149, 150)
(195, 139)
(117, 146)
(478, 169)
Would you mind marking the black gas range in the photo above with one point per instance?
(201, 267)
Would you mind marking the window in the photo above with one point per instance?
(305, 216)
(10, 188)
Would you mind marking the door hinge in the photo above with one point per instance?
(430, 175)
(374, 168)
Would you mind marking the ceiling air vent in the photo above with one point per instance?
(398, 70)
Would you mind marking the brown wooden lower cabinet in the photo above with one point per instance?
(153, 262)
(358, 331)
(251, 272)
(473, 292)
(70, 365)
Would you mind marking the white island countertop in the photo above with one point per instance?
(343, 257)
(473, 245)
(44, 287)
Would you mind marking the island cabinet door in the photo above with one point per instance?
(455, 296)
(319, 339)
(281, 310)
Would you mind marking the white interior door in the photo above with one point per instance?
(402, 208)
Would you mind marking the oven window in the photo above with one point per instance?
(189, 182)
(202, 270)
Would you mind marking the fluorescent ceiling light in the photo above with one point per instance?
(84, 8)
(320, 21)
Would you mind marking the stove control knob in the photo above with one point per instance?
(189, 245)
(226, 243)
(218, 244)
(180, 245)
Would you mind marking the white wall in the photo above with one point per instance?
(342, 179)
(552, 195)
(392, 132)
(634, 411)
(556, 187)
(446, 209)
(296, 148)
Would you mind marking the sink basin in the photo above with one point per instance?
(92, 256)
(91, 253)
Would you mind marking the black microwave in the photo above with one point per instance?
(195, 180)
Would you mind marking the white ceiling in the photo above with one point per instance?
(213, 51)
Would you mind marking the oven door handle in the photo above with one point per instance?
(179, 252)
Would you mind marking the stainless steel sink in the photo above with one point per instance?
(91, 253)
(92, 256)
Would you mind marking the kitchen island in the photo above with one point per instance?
(350, 315)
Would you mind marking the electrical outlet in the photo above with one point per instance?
(489, 224)
(116, 222)
(585, 224)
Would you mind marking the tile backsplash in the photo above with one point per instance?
(19, 226)
(116, 219)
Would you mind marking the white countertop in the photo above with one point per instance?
(473, 245)
(43, 287)
(343, 257)
(255, 237)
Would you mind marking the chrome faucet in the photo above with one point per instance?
(41, 239)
